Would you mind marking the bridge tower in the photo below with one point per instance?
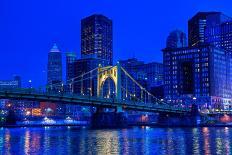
(114, 73)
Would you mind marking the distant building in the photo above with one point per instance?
(8, 84)
(96, 38)
(83, 84)
(198, 24)
(198, 74)
(54, 75)
(176, 39)
(71, 57)
(148, 75)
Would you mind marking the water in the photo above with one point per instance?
(137, 140)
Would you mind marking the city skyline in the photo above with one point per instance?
(123, 48)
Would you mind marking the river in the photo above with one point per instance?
(135, 140)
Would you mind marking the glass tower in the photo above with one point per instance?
(176, 39)
(198, 74)
(197, 25)
(54, 74)
(96, 38)
(71, 57)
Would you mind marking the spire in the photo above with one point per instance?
(54, 48)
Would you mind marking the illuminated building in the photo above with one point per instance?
(8, 84)
(54, 75)
(176, 39)
(86, 86)
(71, 57)
(148, 74)
(198, 74)
(96, 38)
(220, 36)
(198, 24)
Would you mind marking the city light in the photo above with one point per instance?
(177, 100)
(28, 113)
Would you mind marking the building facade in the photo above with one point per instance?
(71, 57)
(83, 84)
(176, 39)
(54, 67)
(10, 84)
(97, 38)
(149, 75)
(198, 24)
(220, 36)
(198, 74)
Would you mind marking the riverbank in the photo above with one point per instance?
(128, 126)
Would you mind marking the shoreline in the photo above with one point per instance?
(128, 126)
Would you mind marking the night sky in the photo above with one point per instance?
(28, 28)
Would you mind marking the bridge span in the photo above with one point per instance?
(66, 98)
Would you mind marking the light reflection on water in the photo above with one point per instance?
(146, 140)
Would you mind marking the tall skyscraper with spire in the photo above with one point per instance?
(54, 74)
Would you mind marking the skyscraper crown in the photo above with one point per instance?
(54, 48)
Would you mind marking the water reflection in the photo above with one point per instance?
(73, 140)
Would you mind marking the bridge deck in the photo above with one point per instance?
(90, 101)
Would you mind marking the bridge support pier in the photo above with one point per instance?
(102, 119)
(172, 119)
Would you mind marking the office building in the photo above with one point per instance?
(176, 39)
(83, 84)
(199, 23)
(149, 75)
(220, 36)
(96, 38)
(199, 75)
(54, 75)
(9, 84)
(71, 57)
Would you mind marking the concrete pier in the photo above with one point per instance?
(109, 120)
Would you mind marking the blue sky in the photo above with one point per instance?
(28, 28)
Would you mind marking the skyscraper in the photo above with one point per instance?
(71, 57)
(220, 36)
(176, 39)
(86, 85)
(54, 74)
(198, 23)
(149, 75)
(201, 74)
(96, 38)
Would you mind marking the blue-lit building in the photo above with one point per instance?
(71, 57)
(202, 72)
(83, 84)
(198, 25)
(176, 39)
(97, 38)
(54, 67)
(9, 84)
(220, 36)
(198, 74)
(149, 75)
